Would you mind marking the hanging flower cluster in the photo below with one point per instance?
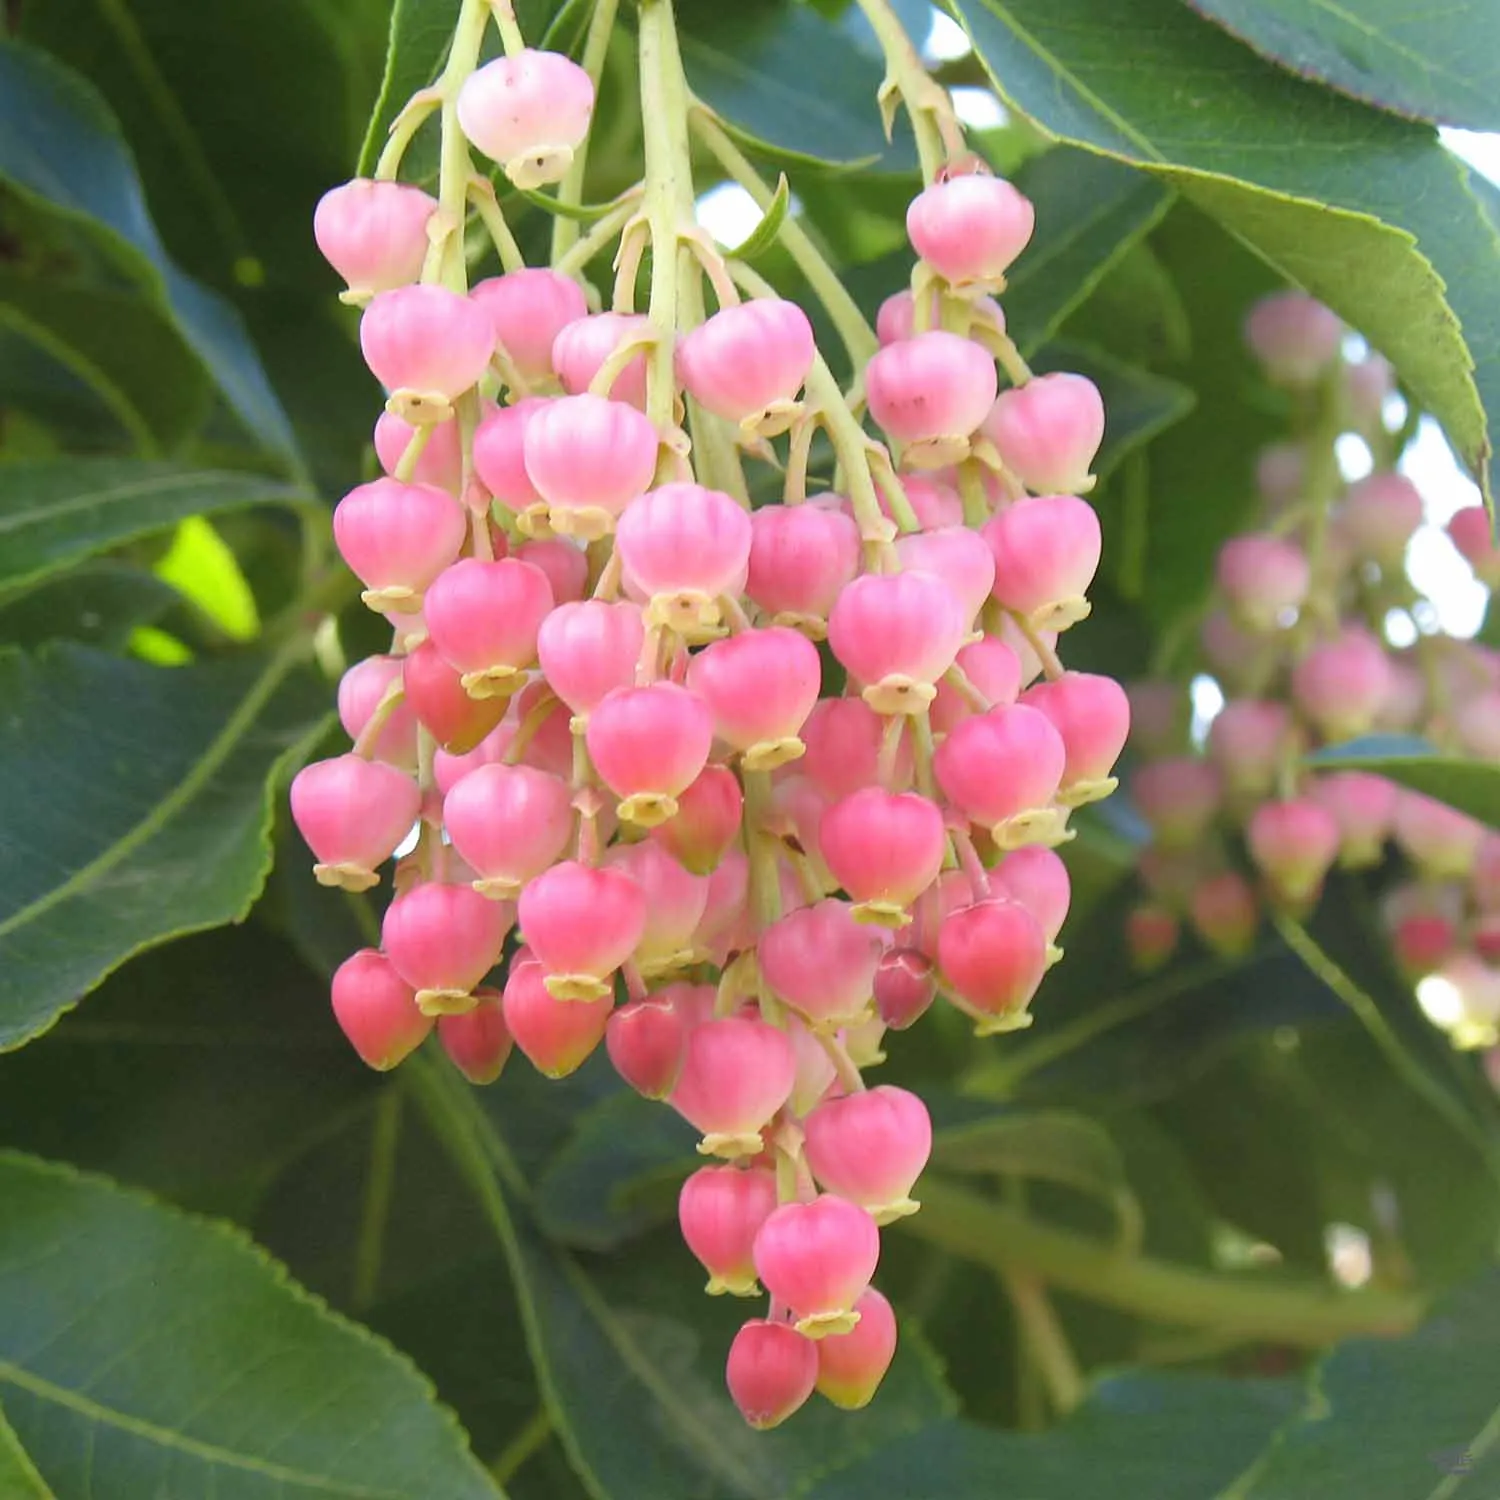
(728, 790)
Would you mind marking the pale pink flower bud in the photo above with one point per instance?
(896, 317)
(747, 363)
(1477, 721)
(1364, 807)
(822, 963)
(1280, 472)
(589, 458)
(1152, 934)
(426, 346)
(500, 456)
(483, 617)
(1038, 879)
(771, 1372)
(935, 504)
(582, 347)
(960, 557)
(905, 985)
(645, 1040)
(581, 924)
(1092, 714)
(528, 309)
(377, 1010)
(1232, 652)
(435, 693)
(676, 900)
(443, 940)
(897, 633)
(1294, 844)
(736, 1073)
(361, 689)
(1265, 579)
(681, 547)
(441, 461)
(1439, 839)
(1002, 770)
(589, 649)
(557, 1036)
(930, 393)
(761, 685)
(1367, 384)
(353, 813)
(1178, 797)
(509, 823)
(648, 745)
(707, 820)
(720, 1211)
(843, 738)
(801, 556)
(884, 849)
(1469, 531)
(1225, 913)
(1378, 517)
(1341, 685)
(374, 234)
(817, 1259)
(993, 670)
(397, 538)
(992, 955)
(1046, 552)
(969, 229)
(478, 1042)
(870, 1148)
(1248, 741)
(1048, 431)
(529, 112)
(1294, 337)
(852, 1365)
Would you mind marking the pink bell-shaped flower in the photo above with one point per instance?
(870, 1148)
(771, 1372)
(649, 745)
(1364, 807)
(374, 234)
(377, 1010)
(958, 556)
(426, 346)
(483, 617)
(1248, 741)
(992, 669)
(1294, 844)
(361, 690)
(675, 902)
(441, 461)
(529, 112)
(509, 824)
(1151, 934)
(353, 813)
(1443, 842)
(1048, 431)
(852, 1365)
(435, 693)
(843, 738)
(1046, 552)
(993, 955)
(589, 649)
(905, 986)
(884, 849)
(557, 1036)
(1294, 337)
(720, 1211)
(897, 633)
(821, 962)
(747, 363)
(1092, 714)
(478, 1042)
(443, 939)
(1225, 913)
(581, 924)
(801, 558)
(529, 308)
(970, 228)
(581, 349)
(761, 685)
(1470, 532)
(895, 319)
(681, 547)
(500, 458)
(1038, 879)
(930, 393)
(1002, 770)
(707, 820)
(1378, 517)
(565, 564)
(397, 538)
(1341, 685)
(817, 1259)
(1265, 579)
(646, 1039)
(589, 458)
(1178, 797)
(736, 1073)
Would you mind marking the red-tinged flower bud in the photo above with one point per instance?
(588, 458)
(1294, 337)
(930, 393)
(736, 1073)
(1046, 551)
(761, 685)
(582, 924)
(529, 112)
(581, 349)
(870, 1148)
(720, 1211)
(1439, 839)
(817, 1259)
(426, 346)
(1294, 844)
(993, 955)
(443, 939)
(397, 538)
(377, 1010)
(1092, 714)
(1470, 532)
(747, 363)
(771, 1372)
(1002, 770)
(969, 229)
(558, 1036)
(1178, 797)
(646, 1039)
(649, 745)
(353, 813)
(707, 821)
(1364, 807)
(1341, 685)
(435, 692)
(478, 1042)
(1265, 579)
(905, 985)
(884, 849)
(1048, 431)
(1225, 913)
(509, 823)
(821, 961)
(1151, 934)
(852, 1365)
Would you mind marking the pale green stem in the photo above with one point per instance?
(530, 1440)
(510, 33)
(602, 232)
(928, 106)
(565, 230)
(380, 1182)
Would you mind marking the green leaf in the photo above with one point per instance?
(1370, 213)
(166, 1355)
(62, 149)
(53, 513)
(1137, 1437)
(1472, 786)
(19, 1479)
(1439, 65)
(98, 604)
(1408, 1419)
(138, 809)
(764, 235)
(580, 213)
(1137, 312)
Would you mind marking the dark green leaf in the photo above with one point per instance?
(137, 808)
(1400, 1419)
(1368, 212)
(98, 604)
(166, 1355)
(60, 147)
(1136, 312)
(1439, 65)
(56, 512)
(19, 1479)
(1472, 786)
